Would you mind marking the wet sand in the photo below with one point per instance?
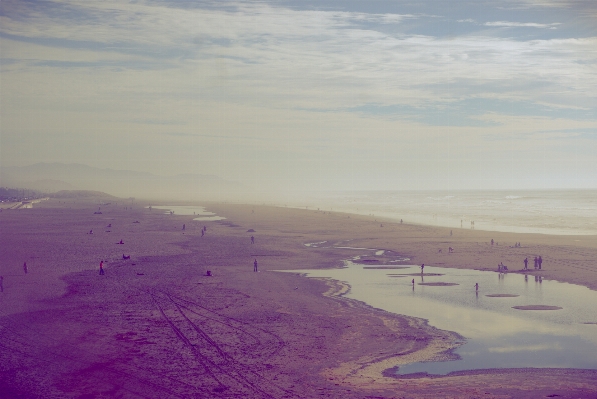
(155, 326)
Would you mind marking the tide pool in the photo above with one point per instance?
(497, 335)
(186, 210)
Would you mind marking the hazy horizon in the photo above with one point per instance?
(289, 96)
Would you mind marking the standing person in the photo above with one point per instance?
(252, 240)
(535, 260)
(526, 263)
(422, 267)
(101, 268)
(476, 287)
(255, 265)
(25, 267)
(539, 262)
(413, 283)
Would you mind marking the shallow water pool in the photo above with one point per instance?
(186, 210)
(497, 335)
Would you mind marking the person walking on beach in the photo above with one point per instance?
(413, 283)
(255, 265)
(536, 262)
(539, 262)
(422, 267)
(526, 263)
(25, 267)
(101, 272)
(476, 287)
(252, 240)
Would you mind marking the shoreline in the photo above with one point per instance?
(507, 229)
(284, 327)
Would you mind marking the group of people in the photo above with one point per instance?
(502, 267)
(538, 261)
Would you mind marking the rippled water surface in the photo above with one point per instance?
(533, 211)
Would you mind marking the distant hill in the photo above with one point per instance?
(82, 194)
(53, 177)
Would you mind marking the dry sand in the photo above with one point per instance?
(156, 327)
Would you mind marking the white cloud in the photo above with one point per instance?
(521, 24)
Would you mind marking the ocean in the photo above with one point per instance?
(569, 212)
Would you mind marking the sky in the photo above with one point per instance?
(288, 96)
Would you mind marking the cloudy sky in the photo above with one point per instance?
(286, 95)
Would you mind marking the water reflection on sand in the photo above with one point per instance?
(498, 336)
(186, 210)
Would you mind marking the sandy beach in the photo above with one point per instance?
(156, 326)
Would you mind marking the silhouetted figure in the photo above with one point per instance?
(25, 267)
(526, 263)
(422, 267)
(255, 265)
(536, 262)
(184, 226)
(539, 262)
(252, 240)
(476, 287)
(492, 241)
(101, 272)
(413, 282)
